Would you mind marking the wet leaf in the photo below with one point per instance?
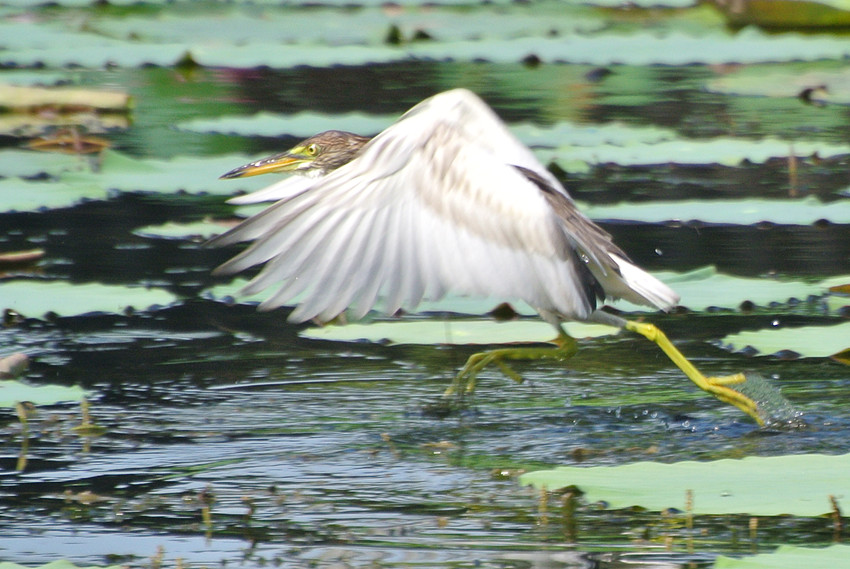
(799, 485)
(805, 211)
(24, 125)
(807, 341)
(29, 164)
(59, 564)
(60, 99)
(117, 172)
(352, 37)
(564, 143)
(725, 151)
(791, 557)
(791, 14)
(300, 125)
(833, 85)
(35, 298)
(699, 289)
(174, 230)
(184, 173)
(21, 195)
(707, 288)
(434, 332)
(14, 391)
(70, 143)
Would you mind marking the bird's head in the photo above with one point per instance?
(315, 156)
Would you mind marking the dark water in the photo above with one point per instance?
(320, 454)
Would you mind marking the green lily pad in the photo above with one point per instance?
(805, 211)
(707, 288)
(326, 25)
(699, 289)
(300, 124)
(77, 180)
(770, 82)
(453, 332)
(13, 391)
(30, 163)
(58, 564)
(807, 341)
(798, 485)
(725, 151)
(790, 557)
(21, 97)
(790, 14)
(185, 173)
(564, 143)
(356, 37)
(34, 298)
(174, 230)
(305, 124)
(643, 48)
(43, 78)
(17, 194)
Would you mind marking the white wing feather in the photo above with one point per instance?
(434, 203)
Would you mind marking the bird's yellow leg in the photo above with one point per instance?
(717, 386)
(465, 380)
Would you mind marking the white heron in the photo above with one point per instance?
(445, 199)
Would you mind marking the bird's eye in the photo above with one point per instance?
(312, 150)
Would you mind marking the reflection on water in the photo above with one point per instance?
(209, 405)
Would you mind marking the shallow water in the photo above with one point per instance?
(313, 453)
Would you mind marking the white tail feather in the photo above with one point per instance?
(638, 286)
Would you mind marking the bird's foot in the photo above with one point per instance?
(466, 380)
(725, 388)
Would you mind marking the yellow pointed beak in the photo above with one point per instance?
(284, 162)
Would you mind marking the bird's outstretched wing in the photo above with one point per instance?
(445, 199)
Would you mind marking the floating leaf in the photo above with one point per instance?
(790, 14)
(174, 230)
(804, 211)
(29, 164)
(725, 151)
(61, 563)
(24, 125)
(798, 485)
(643, 48)
(22, 195)
(300, 124)
(790, 557)
(69, 143)
(327, 25)
(190, 174)
(453, 332)
(117, 172)
(40, 78)
(60, 99)
(564, 143)
(34, 298)
(707, 288)
(699, 289)
(807, 341)
(14, 391)
(770, 82)
(509, 38)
